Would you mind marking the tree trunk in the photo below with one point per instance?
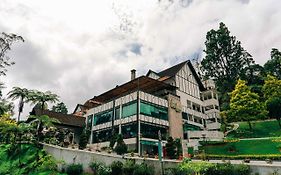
(19, 117)
(250, 125)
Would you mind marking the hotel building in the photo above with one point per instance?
(174, 101)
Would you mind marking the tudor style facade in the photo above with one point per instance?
(174, 101)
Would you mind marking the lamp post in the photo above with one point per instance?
(160, 152)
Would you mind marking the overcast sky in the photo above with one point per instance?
(79, 49)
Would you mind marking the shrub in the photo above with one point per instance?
(121, 147)
(171, 148)
(128, 167)
(116, 168)
(143, 169)
(242, 169)
(74, 169)
(83, 139)
(100, 168)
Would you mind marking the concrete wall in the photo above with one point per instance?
(70, 156)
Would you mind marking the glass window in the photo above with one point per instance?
(189, 127)
(89, 121)
(151, 131)
(103, 117)
(184, 115)
(129, 131)
(129, 109)
(117, 113)
(153, 110)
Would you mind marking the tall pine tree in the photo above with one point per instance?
(225, 61)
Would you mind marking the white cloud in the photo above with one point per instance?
(79, 49)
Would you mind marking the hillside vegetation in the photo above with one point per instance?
(24, 161)
(268, 128)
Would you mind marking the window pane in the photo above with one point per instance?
(129, 109)
(103, 117)
(153, 110)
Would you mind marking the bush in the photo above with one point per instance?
(205, 168)
(116, 168)
(121, 147)
(239, 157)
(143, 169)
(74, 169)
(242, 169)
(83, 139)
(128, 167)
(100, 168)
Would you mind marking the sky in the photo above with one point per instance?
(80, 49)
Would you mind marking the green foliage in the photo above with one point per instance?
(28, 165)
(6, 41)
(178, 145)
(117, 168)
(100, 168)
(60, 108)
(128, 167)
(42, 97)
(74, 169)
(113, 140)
(195, 167)
(225, 60)
(121, 147)
(244, 148)
(273, 66)
(84, 138)
(171, 148)
(268, 128)
(271, 87)
(143, 169)
(245, 105)
(273, 106)
(206, 168)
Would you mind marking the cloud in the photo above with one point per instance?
(79, 50)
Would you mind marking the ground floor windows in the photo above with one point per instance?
(129, 130)
(151, 131)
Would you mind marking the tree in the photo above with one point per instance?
(121, 147)
(225, 60)
(273, 106)
(84, 139)
(22, 94)
(171, 148)
(271, 87)
(60, 108)
(43, 97)
(273, 66)
(42, 121)
(245, 105)
(6, 41)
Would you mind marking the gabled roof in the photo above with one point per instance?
(172, 71)
(151, 71)
(65, 119)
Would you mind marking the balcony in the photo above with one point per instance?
(212, 126)
(209, 135)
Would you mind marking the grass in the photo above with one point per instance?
(9, 161)
(245, 147)
(269, 128)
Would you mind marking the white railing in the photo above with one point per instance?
(205, 134)
(214, 125)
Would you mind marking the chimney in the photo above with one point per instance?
(133, 74)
